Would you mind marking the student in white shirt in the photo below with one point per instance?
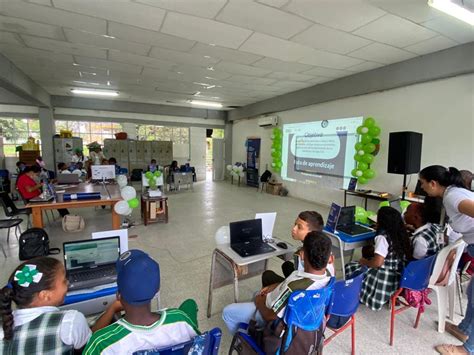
(37, 326)
(271, 301)
(458, 202)
(62, 168)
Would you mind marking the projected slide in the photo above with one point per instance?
(320, 151)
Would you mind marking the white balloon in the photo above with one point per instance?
(361, 152)
(122, 180)
(364, 130)
(128, 192)
(121, 208)
(241, 168)
(229, 167)
(242, 175)
(222, 235)
(359, 173)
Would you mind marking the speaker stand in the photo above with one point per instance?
(404, 189)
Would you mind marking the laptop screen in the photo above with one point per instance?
(89, 254)
(248, 231)
(346, 216)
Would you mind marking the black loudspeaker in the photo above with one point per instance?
(209, 132)
(404, 152)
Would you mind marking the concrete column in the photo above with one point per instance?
(228, 142)
(46, 120)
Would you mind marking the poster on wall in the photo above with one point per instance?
(253, 160)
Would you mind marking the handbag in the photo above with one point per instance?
(73, 223)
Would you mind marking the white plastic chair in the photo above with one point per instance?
(446, 289)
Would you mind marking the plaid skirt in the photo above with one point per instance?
(379, 283)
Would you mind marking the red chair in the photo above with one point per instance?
(345, 303)
(416, 277)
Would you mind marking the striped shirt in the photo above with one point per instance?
(173, 327)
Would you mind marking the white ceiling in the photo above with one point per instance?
(231, 51)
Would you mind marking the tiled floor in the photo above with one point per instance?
(183, 247)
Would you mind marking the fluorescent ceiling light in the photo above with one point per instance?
(94, 92)
(205, 103)
(453, 9)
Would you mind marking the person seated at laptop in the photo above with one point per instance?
(63, 168)
(271, 301)
(38, 287)
(80, 171)
(152, 166)
(392, 250)
(138, 281)
(307, 221)
(29, 188)
(423, 239)
(113, 161)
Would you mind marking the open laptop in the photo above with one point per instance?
(48, 194)
(246, 238)
(346, 222)
(91, 263)
(68, 179)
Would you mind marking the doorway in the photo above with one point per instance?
(214, 154)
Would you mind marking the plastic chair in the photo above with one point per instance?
(461, 277)
(7, 224)
(10, 208)
(305, 310)
(416, 276)
(345, 303)
(443, 279)
(207, 344)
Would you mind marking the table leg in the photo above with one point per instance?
(211, 282)
(37, 217)
(341, 252)
(345, 198)
(365, 204)
(236, 284)
(115, 219)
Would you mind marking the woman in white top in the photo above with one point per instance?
(37, 326)
(458, 202)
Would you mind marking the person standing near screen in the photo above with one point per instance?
(437, 181)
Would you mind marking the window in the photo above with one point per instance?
(16, 132)
(178, 135)
(90, 131)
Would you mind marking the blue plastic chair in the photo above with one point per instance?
(206, 344)
(123, 171)
(305, 310)
(345, 303)
(416, 277)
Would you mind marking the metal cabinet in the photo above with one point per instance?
(64, 149)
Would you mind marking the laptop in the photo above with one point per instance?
(68, 179)
(91, 263)
(346, 222)
(48, 194)
(246, 238)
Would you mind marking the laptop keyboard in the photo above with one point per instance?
(93, 274)
(353, 229)
(250, 250)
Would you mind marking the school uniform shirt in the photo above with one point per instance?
(25, 181)
(298, 280)
(460, 222)
(424, 241)
(173, 327)
(74, 328)
(65, 172)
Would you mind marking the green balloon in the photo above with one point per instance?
(375, 141)
(276, 145)
(353, 172)
(369, 148)
(359, 130)
(371, 214)
(365, 138)
(374, 131)
(384, 204)
(404, 205)
(272, 137)
(157, 173)
(361, 215)
(133, 203)
(362, 166)
(278, 164)
(274, 153)
(358, 146)
(148, 174)
(369, 122)
(362, 180)
(273, 164)
(368, 158)
(357, 157)
(369, 173)
(275, 130)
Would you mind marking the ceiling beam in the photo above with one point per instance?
(15, 81)
(447, 63)
(135, 107)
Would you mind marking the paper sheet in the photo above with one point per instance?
(268, 222)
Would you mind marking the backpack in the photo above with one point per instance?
(34, 242)
(266, 176)
(136, 175)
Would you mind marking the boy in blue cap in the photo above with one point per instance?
(138, 281)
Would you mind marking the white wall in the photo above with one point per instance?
(442, 110)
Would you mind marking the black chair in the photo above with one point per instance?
(10, 208)
(7, 224)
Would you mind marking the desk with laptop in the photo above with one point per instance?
(345, 233)
(246, 256)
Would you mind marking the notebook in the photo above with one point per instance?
(246, 238)
(90, 263)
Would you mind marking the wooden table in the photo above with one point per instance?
(160, 204)
(110, 196)
(372, 195)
